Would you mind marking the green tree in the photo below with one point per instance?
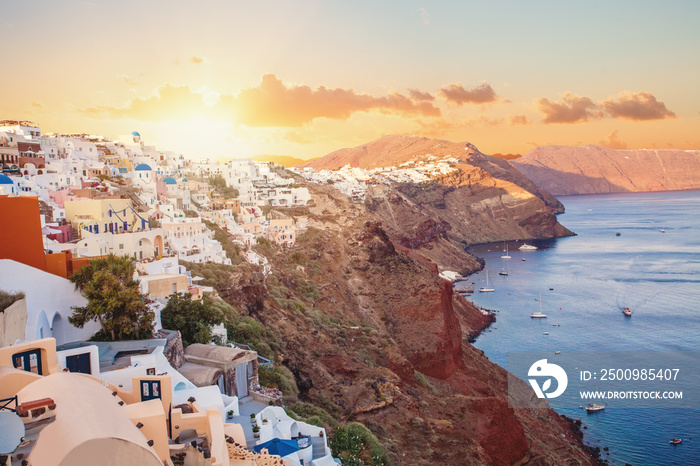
(192, 318)
(114, 299)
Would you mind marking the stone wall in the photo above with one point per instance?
(173, 351)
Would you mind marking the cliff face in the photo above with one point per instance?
(483, 200)
(372, 334)
(593, 169)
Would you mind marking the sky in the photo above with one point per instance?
(225, 79)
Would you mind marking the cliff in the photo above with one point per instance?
(372, 334)
(593, 169)
(484, 199)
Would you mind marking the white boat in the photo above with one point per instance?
(528, 247)
(675, 441)
(505, 256)
(504, 270)
(538, 314)
(595, 407)
(662, 230)
(627, 312)
(487, 288)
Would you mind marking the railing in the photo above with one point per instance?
(4, 403)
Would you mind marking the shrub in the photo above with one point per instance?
(355, 444)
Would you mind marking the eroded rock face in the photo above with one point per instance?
(592, 169)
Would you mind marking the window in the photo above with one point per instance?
(29, 361)
(150, 390)
(174, 288)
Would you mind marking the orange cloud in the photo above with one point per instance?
(613, 141)
(169, 103)
(628, 105)
(420, 95)
(637, 106)
(519, 120)
(573, 109)
(458, 94)
(273, 103)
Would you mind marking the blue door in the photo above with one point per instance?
(150, 390)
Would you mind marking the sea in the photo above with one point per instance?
(636, 250)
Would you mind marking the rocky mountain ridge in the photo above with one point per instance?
(591, 169)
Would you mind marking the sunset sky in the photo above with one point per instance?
(239, 78)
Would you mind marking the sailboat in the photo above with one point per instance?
(487, 287)
(538, 314)
(505, 256)
(663, 230)
(595, 407)
(504, 270)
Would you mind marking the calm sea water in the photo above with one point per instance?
(592, 276)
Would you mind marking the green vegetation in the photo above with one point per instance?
(232, 249)
(311, 414)
(114, 300)
(219, 184)
(421, 379)
(8, 299)
(278, 377)
(356, 445)
(192, 318)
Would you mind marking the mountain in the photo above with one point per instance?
(593, 169)
(484, 199)
(286, 160)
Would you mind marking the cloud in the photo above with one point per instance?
(613, 141)
(420, 95)
(424, 17)
(168, 103)
(637, 106)
(272, 103)
(573, 109)
(458, 94)
(519, 120)
(197, 60)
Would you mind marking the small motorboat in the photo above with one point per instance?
(523, 259)
(557, 352)
(618, 234)
(627, 312)
(675, 441)
(595, 407)
(545, 333)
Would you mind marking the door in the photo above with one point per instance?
(150, 390)
(79, 363)
(242, 380)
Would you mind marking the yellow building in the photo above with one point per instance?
(104, 215)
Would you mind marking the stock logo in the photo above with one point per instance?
(542, 368)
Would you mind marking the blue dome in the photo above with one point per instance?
(169, 180)
(135, 134)
(143, 167)
(184, 180)
(4, 179)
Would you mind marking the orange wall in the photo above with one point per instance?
(20, 231)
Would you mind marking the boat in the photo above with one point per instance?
(627, 312)
(662, 230)
(523, 259)
(487, 288)
(504, 270)
(545, 333)
(528, 247)
(557, 352)
(538, 314)
(505, 249)
(595, 407)
(675, 441)
(618, 233)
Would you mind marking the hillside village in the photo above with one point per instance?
(68, 199)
